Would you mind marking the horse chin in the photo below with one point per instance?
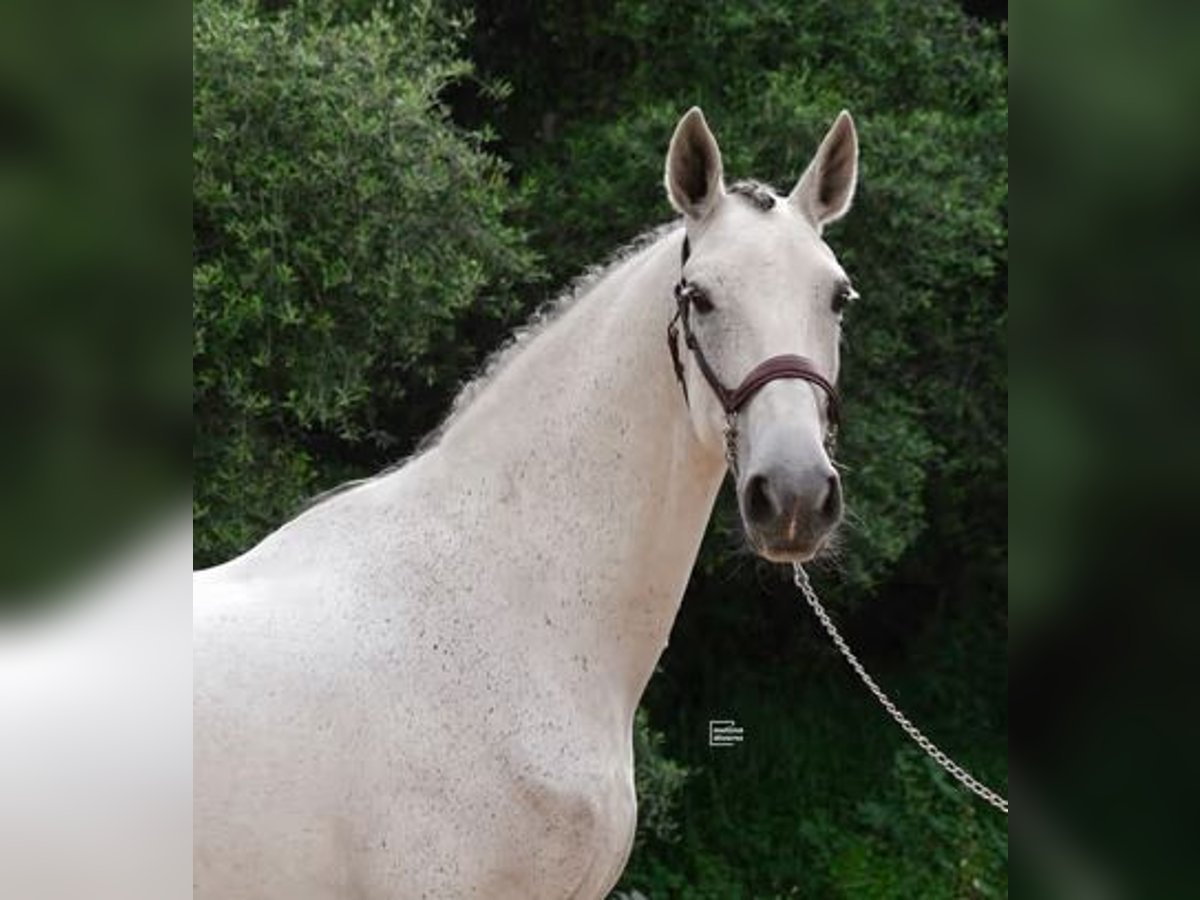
(787, 550)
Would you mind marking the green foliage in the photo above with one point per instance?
(962, 845)
(658, 780)
(825, 798)
(343, 230)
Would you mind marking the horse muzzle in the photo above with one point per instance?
(789, 514)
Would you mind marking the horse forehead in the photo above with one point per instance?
(754, 245)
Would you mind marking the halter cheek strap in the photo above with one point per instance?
(783, 366)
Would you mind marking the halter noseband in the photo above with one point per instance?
(785, 365)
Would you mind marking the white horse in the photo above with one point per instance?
(424, 686)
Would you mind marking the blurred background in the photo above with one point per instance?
(381, 192)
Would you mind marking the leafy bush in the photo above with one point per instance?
(962, 845)
(344, 229)
(826, 798)
(658, 780)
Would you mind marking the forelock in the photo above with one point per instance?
(761, 196)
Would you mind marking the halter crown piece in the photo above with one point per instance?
(785, 365)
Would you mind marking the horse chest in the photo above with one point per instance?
(583, 813)
(529, 793)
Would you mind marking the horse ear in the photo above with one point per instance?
(825, 190)
(693, 172)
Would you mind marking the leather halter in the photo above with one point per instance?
(732, 400)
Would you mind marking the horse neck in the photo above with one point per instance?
(583, 453)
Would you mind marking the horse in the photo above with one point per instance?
(424, 686)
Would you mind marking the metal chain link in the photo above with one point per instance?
(731, 438)
(954, 769)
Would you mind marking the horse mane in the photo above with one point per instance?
(542, 318)
(761, 196)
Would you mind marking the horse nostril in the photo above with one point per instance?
(759, 508)
(831, 507)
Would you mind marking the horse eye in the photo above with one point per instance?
(700, 300)
(844, 295)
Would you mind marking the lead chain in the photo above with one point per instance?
(731, 436)
(964, 777)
